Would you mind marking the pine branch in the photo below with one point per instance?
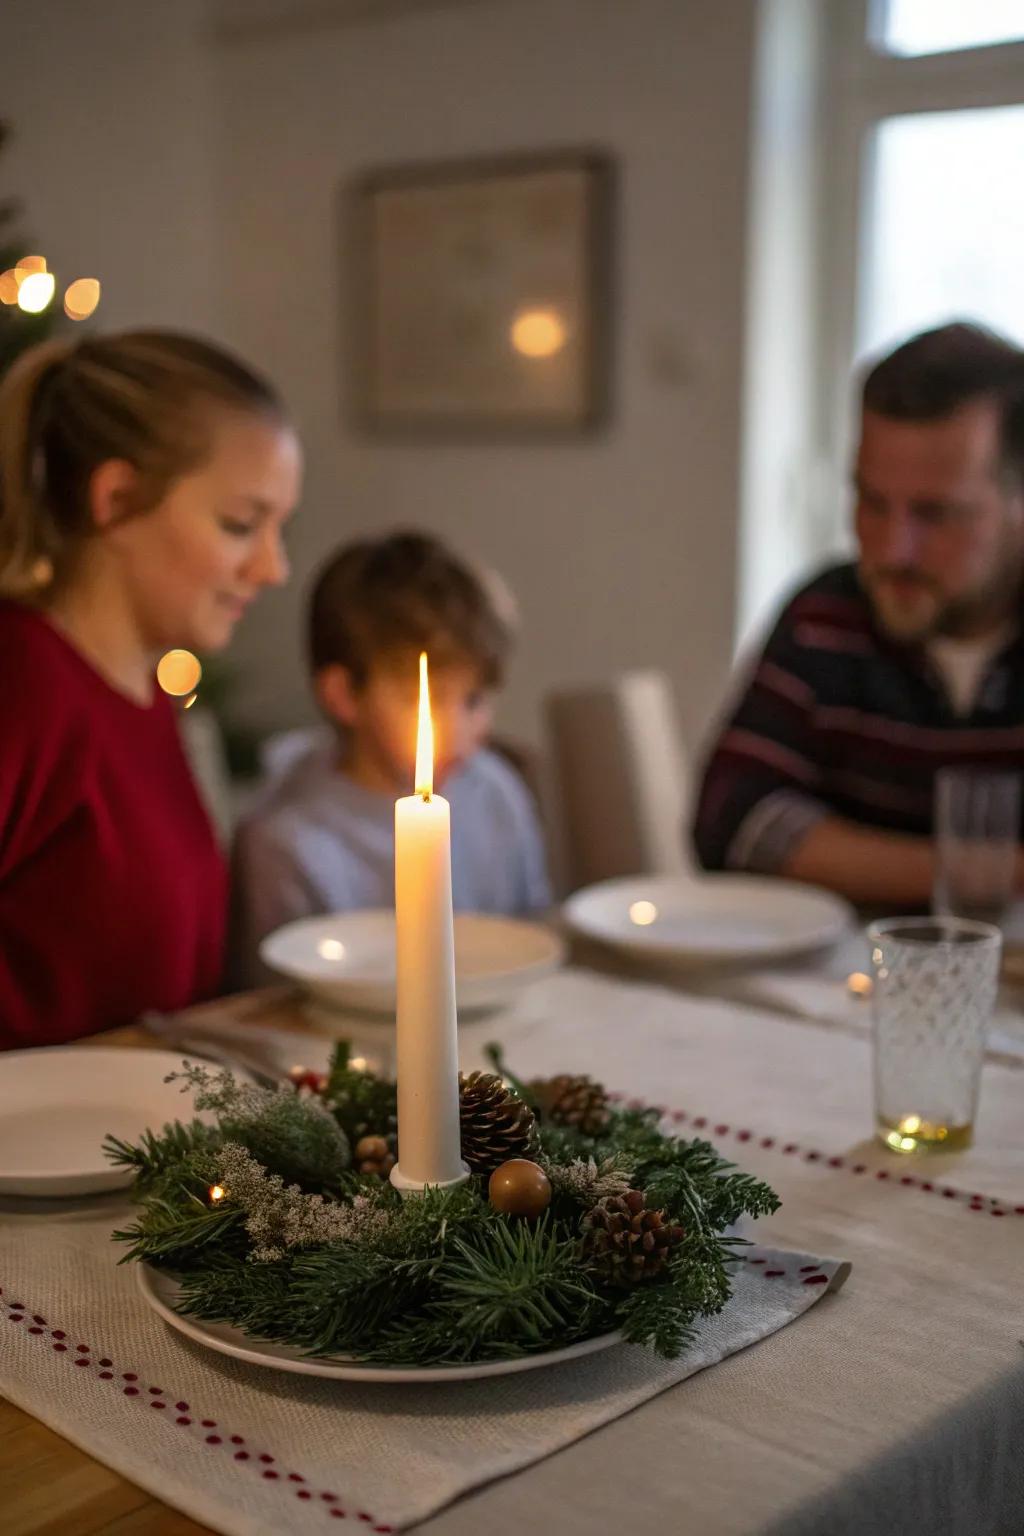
(227, 1289)
(362, 1103)
(177, 1234)
(161, 1154)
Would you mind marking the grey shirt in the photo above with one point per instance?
(318, 842)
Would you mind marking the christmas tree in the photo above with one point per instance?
(18, 330)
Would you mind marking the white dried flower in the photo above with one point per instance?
(587, 1182)
(281, 1216)
(222, 1093)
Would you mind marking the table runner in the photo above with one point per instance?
(251, 1452)
(901, 1404)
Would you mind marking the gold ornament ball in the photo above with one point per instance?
(520, 1188)
(372, 1149)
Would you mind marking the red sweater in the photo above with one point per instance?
(113, 892)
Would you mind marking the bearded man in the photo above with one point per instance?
(881, 672)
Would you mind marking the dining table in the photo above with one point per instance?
(895, 1404)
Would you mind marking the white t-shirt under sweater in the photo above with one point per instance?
(963, 664)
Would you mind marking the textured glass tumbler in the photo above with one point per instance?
(935, 987)
(977, 825)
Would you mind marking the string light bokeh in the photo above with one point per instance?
(30, 286)
(178, 673)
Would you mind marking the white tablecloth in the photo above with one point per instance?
(899, 1407)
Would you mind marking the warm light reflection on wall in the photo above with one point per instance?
(178, 673)
(81, 298)
(9, 286)
(538, 332)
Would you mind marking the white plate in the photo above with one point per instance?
(161, 1291)
(57, 1104)
(703, 919)
(348, 959)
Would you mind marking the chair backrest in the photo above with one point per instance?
(622, 778)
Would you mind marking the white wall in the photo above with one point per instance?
(198, 173)
(622, 550)
(112, 106)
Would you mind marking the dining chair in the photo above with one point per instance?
(621, 778)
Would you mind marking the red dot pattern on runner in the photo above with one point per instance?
(995, 1206)
(60, 1348)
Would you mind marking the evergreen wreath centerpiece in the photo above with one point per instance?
(579, 1217)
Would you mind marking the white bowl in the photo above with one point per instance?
(348, 959)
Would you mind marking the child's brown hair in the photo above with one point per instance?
(405, 593)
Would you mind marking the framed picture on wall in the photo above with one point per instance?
(482, 297)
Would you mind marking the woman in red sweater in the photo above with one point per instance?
(144, 482)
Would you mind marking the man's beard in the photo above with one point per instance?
(921, 610)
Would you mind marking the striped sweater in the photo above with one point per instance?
(837, 719)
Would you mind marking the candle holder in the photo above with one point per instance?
(407, 1186)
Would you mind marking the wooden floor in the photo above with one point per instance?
(50, 1488)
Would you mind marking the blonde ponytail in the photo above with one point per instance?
(67, 408)
(28, 540)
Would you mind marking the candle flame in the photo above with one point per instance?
(424, 737)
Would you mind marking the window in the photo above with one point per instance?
(944, 233)
(922, 218)
(912, 27)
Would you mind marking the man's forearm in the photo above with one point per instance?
(867, 866)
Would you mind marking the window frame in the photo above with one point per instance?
(864, 85)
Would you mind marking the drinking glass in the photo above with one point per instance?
(977, 824)
(935, 987)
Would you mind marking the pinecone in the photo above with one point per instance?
(626, 1242)
(375, 1154)
(577, 1102)
(496, 1125)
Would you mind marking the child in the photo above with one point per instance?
(323, 838)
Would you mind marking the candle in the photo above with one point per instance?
(429, 1150)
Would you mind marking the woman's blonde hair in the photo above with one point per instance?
(67, 407)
